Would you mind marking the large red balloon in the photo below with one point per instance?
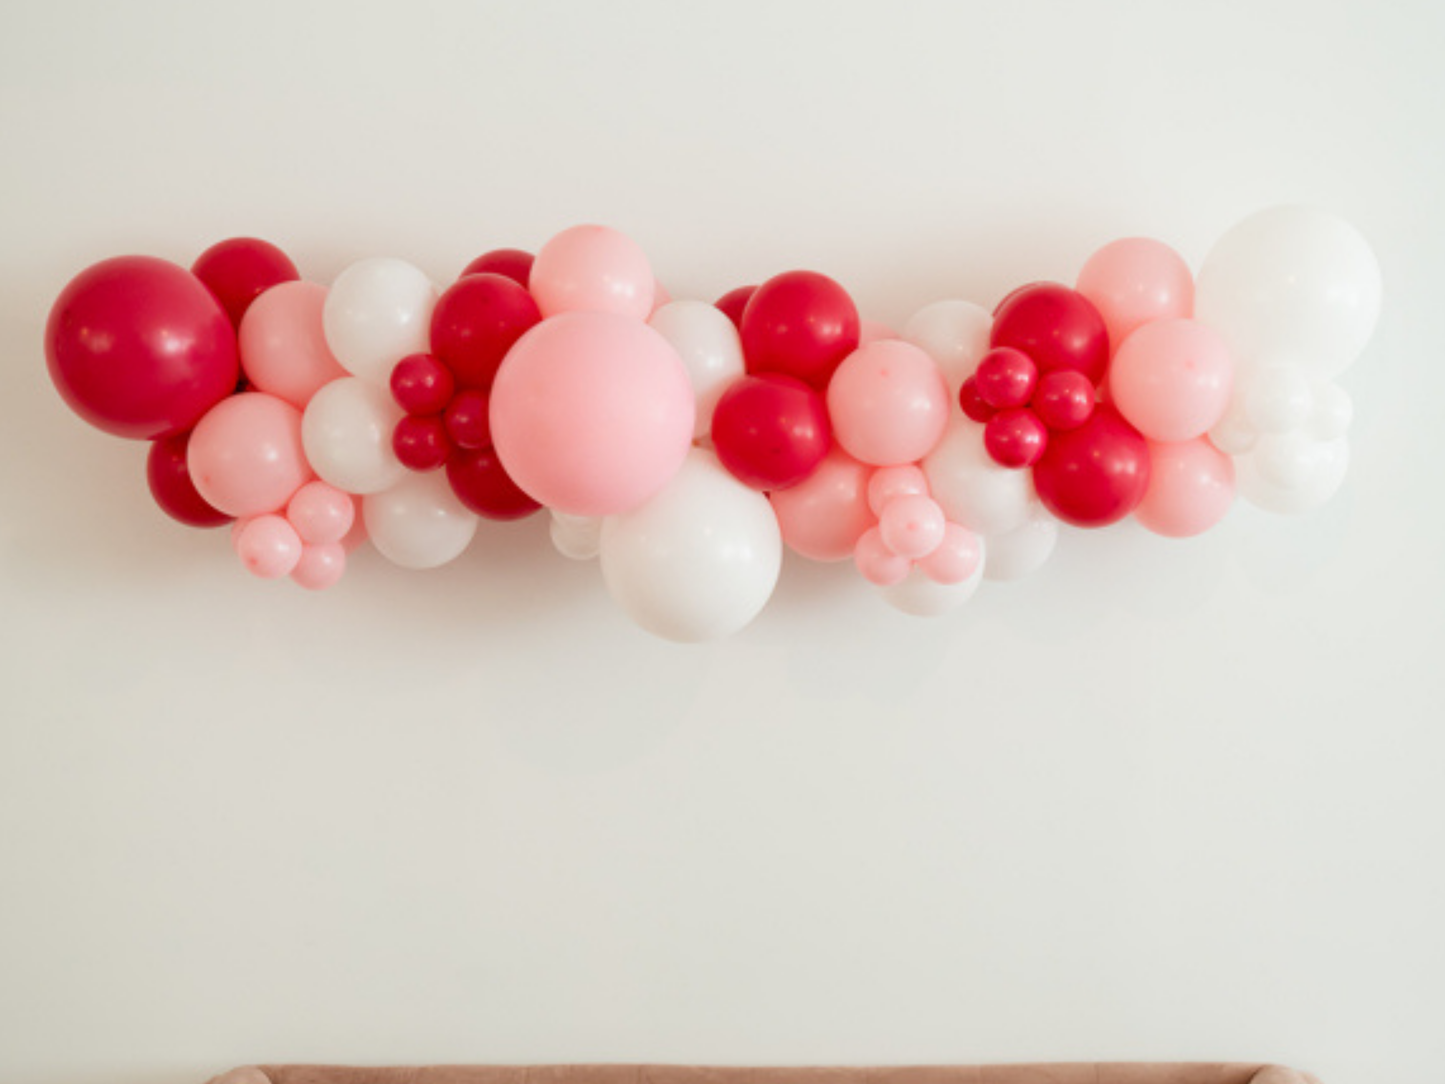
(1058, 328)
(1096, 474)
(482, 484)
(771, 431)
(801, 324)
(241, 269)
(140, 348)
(169, 477)
(476, 321)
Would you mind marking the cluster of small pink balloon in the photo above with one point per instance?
(686, 443)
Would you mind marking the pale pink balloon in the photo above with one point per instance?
(321, 513)
(1191, 487)
(912, 526)
(823, 516)
(592, 413)
(660, 297)
(245, 455)
(1172, 379)
(283, 347)
(593, 269)
(1135, 281)
(268, 546)
(879, 564)
(888, 403)
(871, 331)
(890, 482)
(356, 537)
(321, 566)
(955, 559)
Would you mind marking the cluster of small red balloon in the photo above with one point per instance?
(686, 443)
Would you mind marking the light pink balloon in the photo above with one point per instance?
(871, 331)
(283, 347)
(357, 536)
(268, 546)
(592, 413)
(245, 455)
(321, 566)
(1191, 487)
(888, 403)
(321, 513)
(890, 482)
(1135, 281)
(912, 526)
(879, 564)
(660, 297)
(823, 516)
(593, 269)
(955, 559)
(1172, 379)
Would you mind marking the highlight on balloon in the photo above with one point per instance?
(684, 443)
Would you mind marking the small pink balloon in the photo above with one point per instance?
(877, 562)
(955, 559)
(823, 516)
(268, 546)
(1191, 487)
(890, 482)
(283, 349)
(321, 513)
(593, 269)
(1136, 281)
(592, 413)
(888, 403)
(1172, 379)
(660, 297)
(320, 566)
(871, 331)
(912, 527)
(245, 455)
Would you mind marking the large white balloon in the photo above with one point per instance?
(419, 522)
(710, 349)
(346, 432)
(954, 334)
(1025, 549)
(919, 596)
(1292, 473)
(377, 312)
(698, 561)
(1291, 283)
(974, 490)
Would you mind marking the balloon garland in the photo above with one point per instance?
(686, 443)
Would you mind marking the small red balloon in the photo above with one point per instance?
(510, 263)
(240, 270)
(1015, 438)
(420, 442)
(771, 431)
(1005, 378)
(1096, 474)
(468, 420)
(1064, 399)
(1058, 328)
(169, 478)
(482, 484)
(732, 304)
(801, 324)
(421, 384)
(476, 321)
(140, 348)
(971, 402)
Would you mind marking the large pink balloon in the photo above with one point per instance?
(593, 269)
(245, 455)
(1172, 379)
(1191, 487)
(283, 346)
(1135, 281)
(592, 412)
(823, 516)
(888, 403)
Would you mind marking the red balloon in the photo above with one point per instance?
(972, 403)
(169, 478)
(475, 323)
(734, 302)
(1064, 399)
(469, 420)
(421, 384)
(420, 442)
(510, 263)
(1015, 438)
(482, 484)
(1096, 474)
(771, 431)
(240, 270)
(140, 348)
(1005, 378)
(799, 323)
(1058, 328)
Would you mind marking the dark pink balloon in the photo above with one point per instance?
(512, 263)
(1096, 474)
(771, 431)
(241, 269)
(169, 478)
(1058, 328)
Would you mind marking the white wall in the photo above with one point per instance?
(1166, 800)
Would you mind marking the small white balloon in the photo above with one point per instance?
(576, 537)
(973, 490)
(1277, 399)
(346, 432)
(1024, 550)
(1287, 460)
(919, 596)
(698, 561)
(954, 334)
(377, 312)
(1333, 411)
(711, 351)
(1328, 463)
(419, 522)
(1234, 434)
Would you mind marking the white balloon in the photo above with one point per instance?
(1292, 280)
(1333, 411)
(1327, 462)
(1277, 399)
(1233, 434)
(954, 334)
(918, 596)
(576, 537)
(419, 522)
(1287, 460)
(346, 432)
(1025, 549)
(698, 561)
(710, 349)
(377, 312)
(974, 490)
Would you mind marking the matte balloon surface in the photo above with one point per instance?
(801, 324)
(1096, 474)
(239, 270)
